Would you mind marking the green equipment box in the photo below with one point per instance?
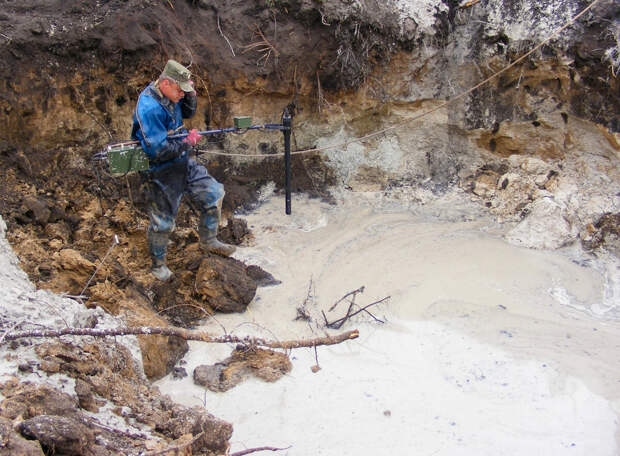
(242, 122)
(125, 158)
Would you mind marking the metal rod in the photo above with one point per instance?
(211, 132)
(286, 123)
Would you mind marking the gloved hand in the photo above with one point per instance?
(193, 92)
(192, 138)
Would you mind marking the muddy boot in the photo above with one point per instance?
(213, 245)
(160, 271)
(158, 243)
(207, 231)
(210, 243)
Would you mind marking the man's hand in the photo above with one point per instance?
(193, 92)
(192, 138)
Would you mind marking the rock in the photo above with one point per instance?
(85, 396)
(28, 400)
(179, 373)
(59, 230)
(267, 365)
(13, 444)
(59, 434)
(543, 228)
(224, 284)
(23, 162)
(110, 372)
(72, 270)
(484, 185)
(604, 233)
(37, 209)
(72, 260)
(533, 165)
(261, 277)
(216, 435)
(234, 231)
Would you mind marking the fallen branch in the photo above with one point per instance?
(254, 450)
(337, 324)
(175, 448)
(185, 334)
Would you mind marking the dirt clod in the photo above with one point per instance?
(267, 365)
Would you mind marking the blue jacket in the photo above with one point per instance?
(154, 119)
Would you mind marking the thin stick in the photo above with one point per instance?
(187, 335)
(341, 321)
(11, 329)
(129, 190)
(114, 244)
(253, 450)
(354, 292)
(131, 435)
(175, 448)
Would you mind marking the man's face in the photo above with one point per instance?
(171, 90)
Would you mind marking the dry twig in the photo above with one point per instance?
(337, 324)
(353, 293)
(302, 312)
(175, 448)
(114, 244)
(254, 450)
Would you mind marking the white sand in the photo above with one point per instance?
(484, 350)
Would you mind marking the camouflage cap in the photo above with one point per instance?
(181, 75)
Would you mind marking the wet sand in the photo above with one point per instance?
(486, 349)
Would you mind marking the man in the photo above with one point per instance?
(160, 111)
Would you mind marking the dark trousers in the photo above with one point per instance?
(164, 189)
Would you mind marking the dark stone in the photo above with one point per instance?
(12, 444)
(85, 396)
(261, 277)
(25, 367)
(224, 284)
(58, 434)
(35, 400)
(37, 209)
(235, 231)
(179, 372)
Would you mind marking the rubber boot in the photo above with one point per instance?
(160, 271)
(210, 243)
(209, 224)
(158, 243)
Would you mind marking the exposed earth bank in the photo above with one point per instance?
(538, 147)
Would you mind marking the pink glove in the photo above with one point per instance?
(192, 138)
